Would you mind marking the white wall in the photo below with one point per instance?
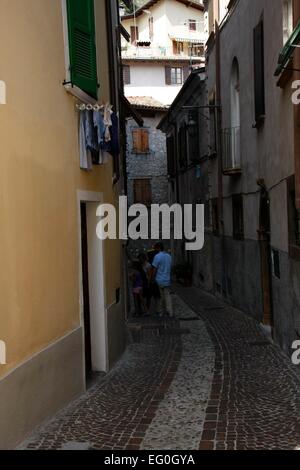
(170, 17)
(148, 79)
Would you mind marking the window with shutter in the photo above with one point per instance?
(82, 45)
(178, 48)
(192, 25)
(142, 191)
(168, 75)
(174, 75)
(259, 73)
(140, 138)
(126, 75)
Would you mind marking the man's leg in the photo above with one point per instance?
(159, 302)
(168, 300)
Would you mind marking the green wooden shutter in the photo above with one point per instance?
(82, 45)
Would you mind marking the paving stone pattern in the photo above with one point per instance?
(179, 420)
(209, 380)
(255, 394)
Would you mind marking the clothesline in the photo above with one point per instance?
(95, 107)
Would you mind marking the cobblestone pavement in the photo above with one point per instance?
(178, 423)
(255, 394)
(210, 380)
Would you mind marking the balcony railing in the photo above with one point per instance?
(231, 151)
(157, 52)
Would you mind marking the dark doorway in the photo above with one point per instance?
(266, 256)
(86, 295)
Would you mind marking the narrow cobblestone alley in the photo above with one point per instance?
(211, 380)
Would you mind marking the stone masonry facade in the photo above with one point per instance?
(152, 166)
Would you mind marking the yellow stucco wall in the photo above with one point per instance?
(39, 178)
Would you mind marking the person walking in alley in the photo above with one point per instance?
(146, 266)
(161, 274)
(136, 274)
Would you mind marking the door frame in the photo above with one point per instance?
(98, 311)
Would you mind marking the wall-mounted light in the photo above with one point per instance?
(192, 126)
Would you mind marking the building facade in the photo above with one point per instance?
(167, 39)
(61, 314)
(252, 232)
(166, 42)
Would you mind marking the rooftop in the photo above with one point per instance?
(147, 102)
(189, 3)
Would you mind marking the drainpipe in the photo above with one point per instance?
(219, 148)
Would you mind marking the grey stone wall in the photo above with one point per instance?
(152, 165)
(231, 268)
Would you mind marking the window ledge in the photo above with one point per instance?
(80, 94)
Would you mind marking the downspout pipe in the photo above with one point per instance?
(219, 150)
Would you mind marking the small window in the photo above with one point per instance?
(197, 50)
(215, 216)
(174, 76)
(140, 138)
(287, 19)
(259, 73)
(177, 48)
(238, 217)
(126, 74)
(142, 191)
(192, 25)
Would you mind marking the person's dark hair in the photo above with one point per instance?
(159, 246)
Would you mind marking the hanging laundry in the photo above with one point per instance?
(90, 132)
(99, 125)
(107, 122)
(115, 136)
